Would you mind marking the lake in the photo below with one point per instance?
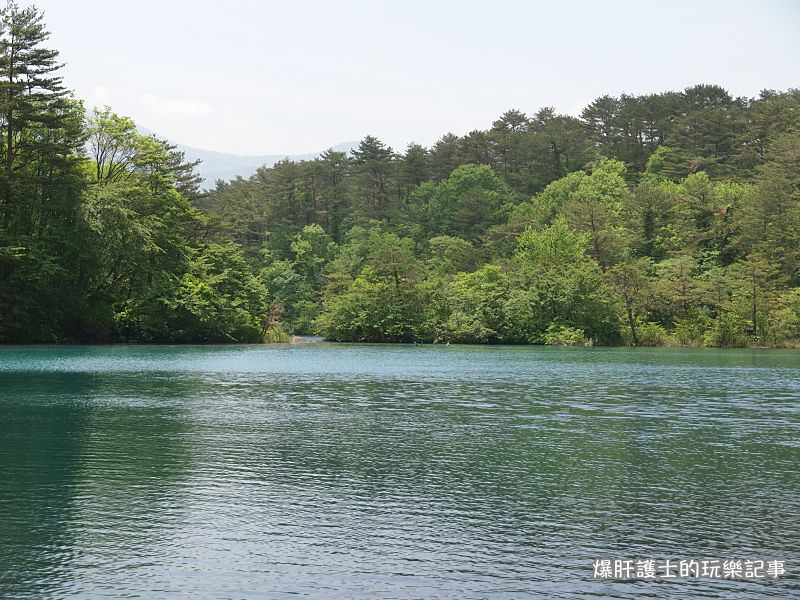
(387, 471)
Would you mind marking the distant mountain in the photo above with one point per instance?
(219, 165)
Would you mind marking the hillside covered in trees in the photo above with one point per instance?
(669, 218)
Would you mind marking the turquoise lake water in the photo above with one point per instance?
(353, 471)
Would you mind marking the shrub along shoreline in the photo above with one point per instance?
(660, 219)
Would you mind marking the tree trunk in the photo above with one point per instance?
(10, 111)
(632, 324)
(595, 241)
(9, 142)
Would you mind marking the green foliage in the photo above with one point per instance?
(276, 335)
(672, 163)
(477, 306)
(32, 309)
(630, 281)
(647, 334)
(728, 331)
(371, 310)
(562, 335)
(469, 201)
(449, 255)
(554, 246)
(595, 205)
(575, 296)
(785, 321)
(292, 299)
(692, 329)
(544, 207)
(217, 300)
(312, 248)
(652, 219)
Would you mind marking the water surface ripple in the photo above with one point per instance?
(351, 471)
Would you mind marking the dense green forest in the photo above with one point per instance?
(668, 218)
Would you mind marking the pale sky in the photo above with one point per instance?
(296, 76)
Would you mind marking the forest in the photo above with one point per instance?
(671, 218)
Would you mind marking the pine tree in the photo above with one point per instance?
(373, 169)
(30, 93)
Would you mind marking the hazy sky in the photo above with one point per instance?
(263, 77)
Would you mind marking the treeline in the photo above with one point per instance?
(671, 218)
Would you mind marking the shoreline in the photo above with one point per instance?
(330, 343)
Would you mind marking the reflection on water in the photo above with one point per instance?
(384, 471)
